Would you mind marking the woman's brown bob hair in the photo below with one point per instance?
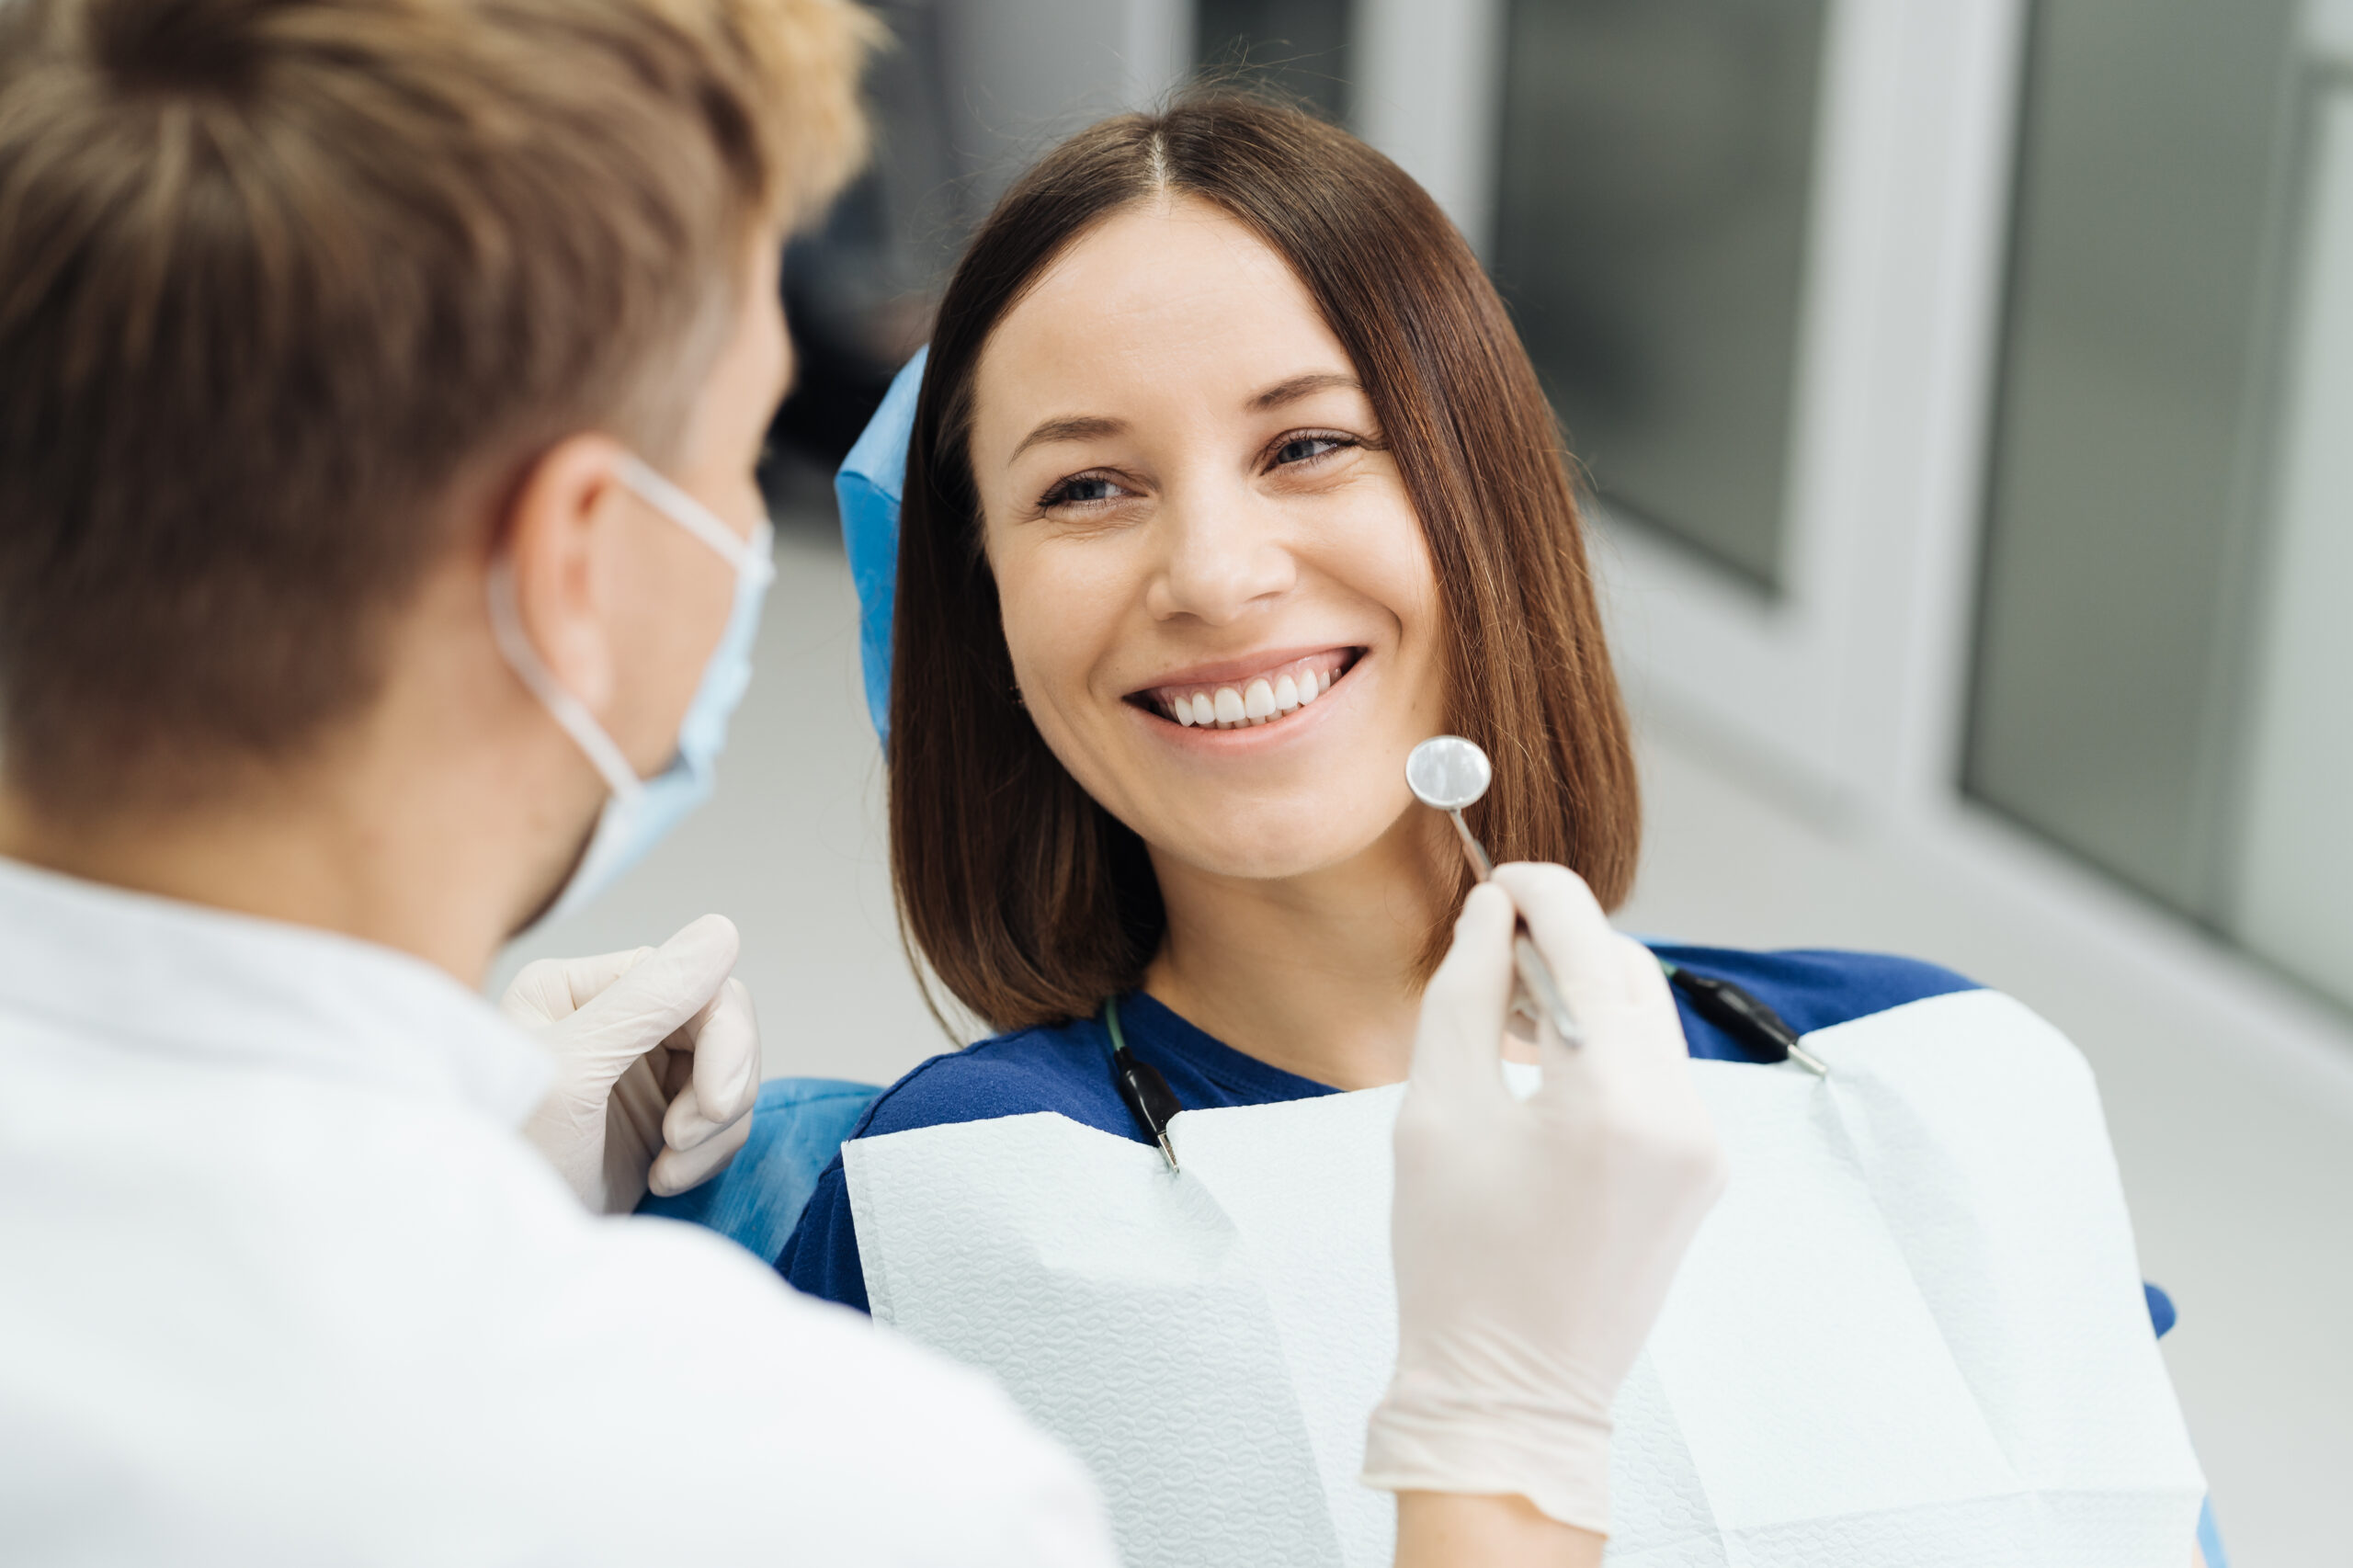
(1031, 903)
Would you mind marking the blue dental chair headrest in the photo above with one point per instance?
(868, 486)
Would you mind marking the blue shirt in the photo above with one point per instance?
(1067, 1069)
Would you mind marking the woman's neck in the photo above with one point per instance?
(1318, 975)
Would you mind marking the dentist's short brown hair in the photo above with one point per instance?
(1028, 901)
(276, 276)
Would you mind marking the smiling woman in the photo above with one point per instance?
(1229, 482)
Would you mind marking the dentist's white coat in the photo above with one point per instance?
(280, 1283)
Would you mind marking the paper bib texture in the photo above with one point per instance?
(1912, 1332)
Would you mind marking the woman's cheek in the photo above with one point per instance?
(1050, 651)
(1033, 634)
(1409, 578)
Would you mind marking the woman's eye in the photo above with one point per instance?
(1307, 449)
(1082, 490)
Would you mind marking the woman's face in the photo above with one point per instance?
(1218, 599)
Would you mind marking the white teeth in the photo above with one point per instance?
(1261, 699)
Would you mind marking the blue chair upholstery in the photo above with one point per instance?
(797, 1128)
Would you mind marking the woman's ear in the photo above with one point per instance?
(562, 535)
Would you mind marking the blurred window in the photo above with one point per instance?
(1299, 47)
(2163, 678)
(859, 288)
(1655, 173)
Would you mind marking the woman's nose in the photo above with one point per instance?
(1221, 556)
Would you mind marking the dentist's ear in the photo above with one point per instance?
(560, 535)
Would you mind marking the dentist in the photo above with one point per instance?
(381, 386)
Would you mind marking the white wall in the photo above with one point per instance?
(2297, 850)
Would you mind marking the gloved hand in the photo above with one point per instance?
(657, 1065)
(1535, 1241)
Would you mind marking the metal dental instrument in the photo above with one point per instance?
(1447, 773)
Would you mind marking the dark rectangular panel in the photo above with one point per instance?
(1299, 47)
(2130, 427)
(1656, 176)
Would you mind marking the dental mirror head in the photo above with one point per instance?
(1447, 773)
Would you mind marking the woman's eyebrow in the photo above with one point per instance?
(1298, 387)
(1078, 427)
(1090, 426)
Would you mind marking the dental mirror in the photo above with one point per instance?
(1447, 773)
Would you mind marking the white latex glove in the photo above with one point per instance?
(1535, 1241)
(657, 1065)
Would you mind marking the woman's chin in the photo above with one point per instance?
(1267, 844)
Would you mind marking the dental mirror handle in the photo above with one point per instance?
(1474, 851)
(1537, 985)
(1535, 982)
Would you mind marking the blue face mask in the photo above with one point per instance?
(639, 811)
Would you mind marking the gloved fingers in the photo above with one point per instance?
(1457, 1051)
(549, 989)
(679, 1170)
(727, 1071)
(1570, 930)
(630, 1136)
(1646, 982)
(1654, 1027)
(636, 1105)
(1587, 958)
(645, 1005)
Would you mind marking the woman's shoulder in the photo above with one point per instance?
(1064, 1068)
(1817, 988)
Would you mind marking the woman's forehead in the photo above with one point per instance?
(1162, 300)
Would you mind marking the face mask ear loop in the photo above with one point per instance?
(656, 490)
(515, 646)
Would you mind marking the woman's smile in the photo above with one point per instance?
(1246, 693)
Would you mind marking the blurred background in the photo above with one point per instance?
(1967, 389)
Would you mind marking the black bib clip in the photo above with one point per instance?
(1740, 1014)
(1149, 1098)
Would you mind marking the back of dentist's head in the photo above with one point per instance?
(279, 277)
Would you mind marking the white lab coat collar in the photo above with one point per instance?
(156, 974)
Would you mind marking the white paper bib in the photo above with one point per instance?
(1911, 1333)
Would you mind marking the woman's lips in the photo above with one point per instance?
(1263, 697)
